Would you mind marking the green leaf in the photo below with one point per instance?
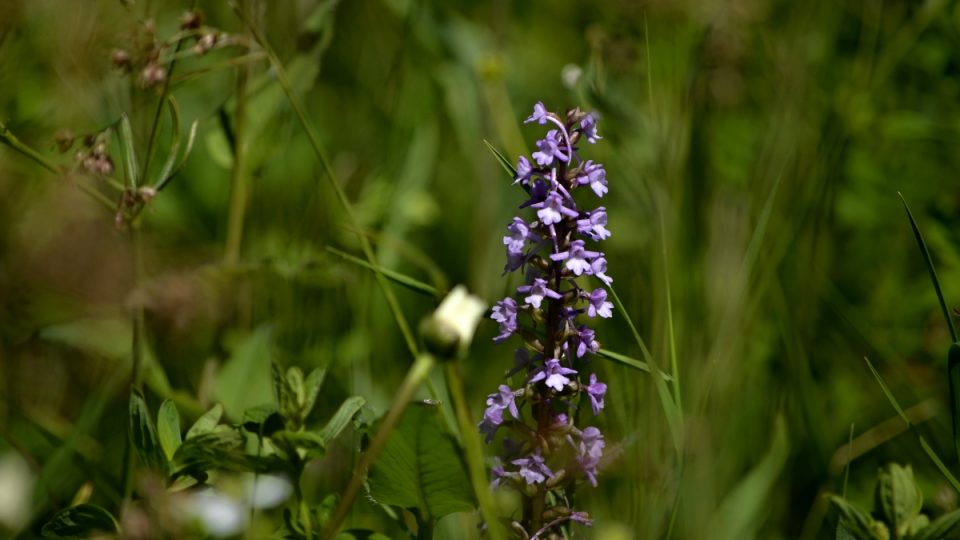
(736, 517)
(361, 534)
(312, 389)
(168, 428)
(129, 155)
(244, 381)
(312, 443)
(917, 524)
(940, 528)
(262, 420)
(504, 162)
(898, 497)
(284, 394)
(843, 533)
(143, 434)
(855, 521)
(81, 521)
(348, 409)
(221, 448)
(398, 278)
(421, 467)
(920, 438)
(207, 422)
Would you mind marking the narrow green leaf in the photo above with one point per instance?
(295, 383)
(940, 528)
(284, 394)
(262, 420)
(191, 138)
(168, 428)
(504, 162)
(174, 149)
(341, 419)
(670, 410)
(81, 521)
(920, 438)
(421, 467)
(129, 155)
(143, 434)
(930, 268)
(206, 423)
(630, 361)
(413, 284)
(308, 441)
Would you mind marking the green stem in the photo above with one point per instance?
(473, 448)
(298, 108)
(239, 180)
(419, 371)
(9, 139)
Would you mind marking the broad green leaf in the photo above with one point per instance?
(207, 422)
(940, 528)
(421, 467)
(143, 434)
(244, 381)
(311, 389)
(855, 522)
(81, 521)
(168, 428)
(898, 497)
(348, 409)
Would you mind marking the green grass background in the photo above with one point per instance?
(754, 151)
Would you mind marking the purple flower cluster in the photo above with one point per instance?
(545, 451)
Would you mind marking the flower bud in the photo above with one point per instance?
(450, 329)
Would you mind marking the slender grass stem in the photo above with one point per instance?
(8, 138)
(473, 448)
(239, 179)
(331, 177)
(415, 376)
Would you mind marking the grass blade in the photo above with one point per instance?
(174, 144)
(670, 409)
(504, 162)
(923, 442)
(413, 284)
(933, 272)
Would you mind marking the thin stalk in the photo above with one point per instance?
(136, 356)
(9, 139)
(473, 448)
(415, 376)
(301, 114)
(239, 179)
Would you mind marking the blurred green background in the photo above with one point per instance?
(754, 151)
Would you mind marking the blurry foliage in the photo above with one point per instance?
(711, 112)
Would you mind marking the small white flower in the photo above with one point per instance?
(220, 515)
(268, 491)
(460, 312)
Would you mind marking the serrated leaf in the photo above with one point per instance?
(348, 409)
(207, 422)
(311, 389)
(168, 428)
(421, 467)
(143, 434)
(940, 528)
(855, 521)
(898, 497)
(81, 521)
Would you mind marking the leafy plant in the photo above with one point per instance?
(896, 514)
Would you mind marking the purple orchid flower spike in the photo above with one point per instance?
(553, 361)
